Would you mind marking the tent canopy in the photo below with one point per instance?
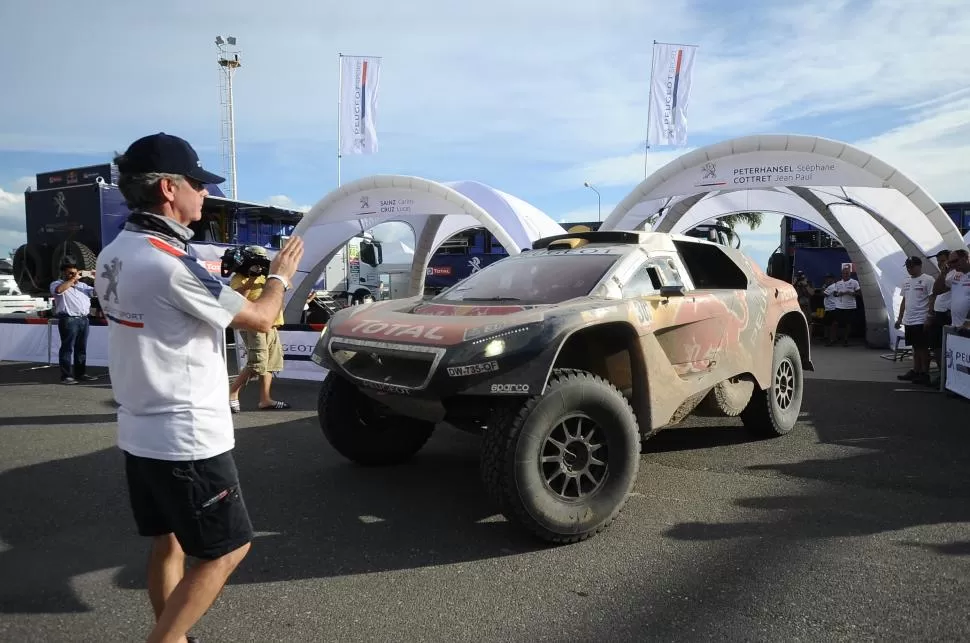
(880, 215)
(434, 211)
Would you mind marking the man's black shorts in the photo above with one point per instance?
(916, 336)
(934, 332)
(200, 502)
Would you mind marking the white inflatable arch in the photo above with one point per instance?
(880, 215)
(435, 211)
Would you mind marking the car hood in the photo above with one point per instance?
(422, 322)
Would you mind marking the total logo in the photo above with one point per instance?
(371, 327)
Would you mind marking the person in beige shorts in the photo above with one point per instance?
(264, 352)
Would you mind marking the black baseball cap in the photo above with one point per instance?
(166, 153)
(914, 261)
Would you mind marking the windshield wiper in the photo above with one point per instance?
(490, 299)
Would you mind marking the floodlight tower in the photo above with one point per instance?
(228, 64)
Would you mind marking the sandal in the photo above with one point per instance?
(278, 406)
(234, 406)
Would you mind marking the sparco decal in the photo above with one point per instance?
(472, 369)
(510, 388)
(385, 329)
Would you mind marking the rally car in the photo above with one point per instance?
(565, 358)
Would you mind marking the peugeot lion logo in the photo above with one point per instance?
(710, 170)
(364, 202)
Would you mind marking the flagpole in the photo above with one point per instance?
(646, 144)
(340, 81)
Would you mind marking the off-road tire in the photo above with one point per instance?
(514, 441)
(85, 258)
(728, 398)
(773, 412)
(30, 270)
(365, 431)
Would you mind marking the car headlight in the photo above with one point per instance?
(497, 344)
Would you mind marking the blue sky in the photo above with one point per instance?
(531, 98)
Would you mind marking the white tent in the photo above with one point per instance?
(435, 211)
(878, 214)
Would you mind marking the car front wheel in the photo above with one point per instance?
(773, 411)
(563, 464)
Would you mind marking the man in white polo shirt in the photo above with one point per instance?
(916, 290)
(845, 292)
(166, 326)
(957, 282)
(72, 303)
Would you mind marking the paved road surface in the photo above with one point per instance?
(853, 527)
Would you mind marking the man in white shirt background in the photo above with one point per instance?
(72, 304)
(917, 290)
(957, 283)
(845, 292)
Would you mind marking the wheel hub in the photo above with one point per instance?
(574, 458)
(784, 385)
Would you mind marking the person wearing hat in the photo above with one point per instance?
(913, 311)
(264, 352)
(167, 318)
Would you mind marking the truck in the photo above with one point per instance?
(74, 213)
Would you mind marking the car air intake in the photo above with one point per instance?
(388, 364)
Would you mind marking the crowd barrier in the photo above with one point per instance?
(955, 374)
(36, 340)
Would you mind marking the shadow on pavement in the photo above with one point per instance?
(918, 447)
(315, 514)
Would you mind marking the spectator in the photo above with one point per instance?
(957, 282)
(72, 304)
(805, 291)
(845, 292)
(917, 290)
(940, 315)
(828, 304)
(167, 323)
(264, 351)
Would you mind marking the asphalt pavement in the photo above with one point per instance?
(853, 527)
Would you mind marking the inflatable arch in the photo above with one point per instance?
(435, 211)
(880, 215)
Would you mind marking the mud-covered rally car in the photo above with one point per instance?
(565, 358)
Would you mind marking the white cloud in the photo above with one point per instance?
(287, 203)
(13, 227)
(932, 148)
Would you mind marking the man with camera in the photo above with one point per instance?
(264, 353)
(167, 319)
(72, 304)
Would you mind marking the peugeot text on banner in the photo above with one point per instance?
(671, 80)
(359, 80)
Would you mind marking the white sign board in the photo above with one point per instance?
(765, 170)
(957, 353)
(298, 345)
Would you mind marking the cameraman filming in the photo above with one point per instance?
(264, 353)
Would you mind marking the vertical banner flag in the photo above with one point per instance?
(670, 84)
(359, 80)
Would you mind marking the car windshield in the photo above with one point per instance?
(536, 279)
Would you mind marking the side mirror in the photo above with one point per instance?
(672, 291)
(370, 253)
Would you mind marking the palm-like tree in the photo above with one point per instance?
(753, 219)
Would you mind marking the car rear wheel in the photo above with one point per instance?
(774, 411)
(563, 464)
(365, 431)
